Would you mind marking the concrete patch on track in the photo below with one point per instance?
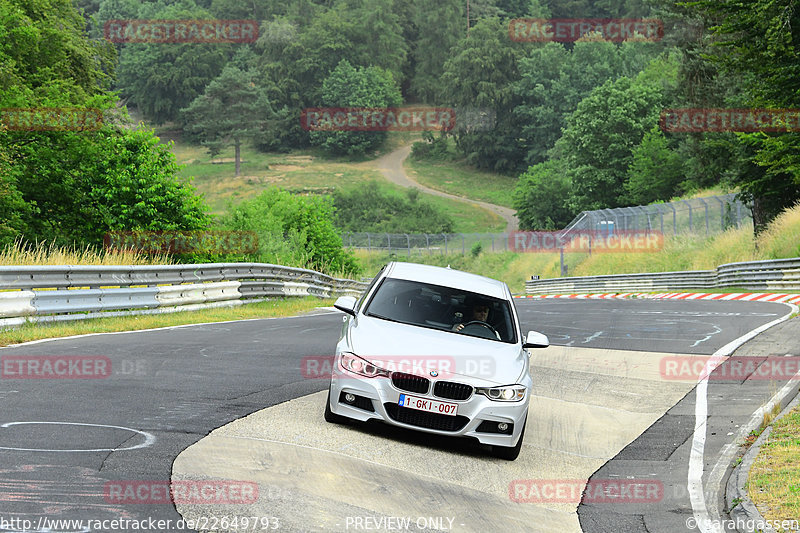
(587, 405)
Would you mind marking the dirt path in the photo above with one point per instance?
(391, 166)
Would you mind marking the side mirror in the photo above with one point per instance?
(534, 339)
(346, 304)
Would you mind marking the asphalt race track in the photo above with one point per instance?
(67, 446)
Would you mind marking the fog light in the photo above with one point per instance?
(502, 426)
(349, 398)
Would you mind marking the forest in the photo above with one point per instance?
(579, 123)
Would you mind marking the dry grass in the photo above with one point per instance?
(681, 252)
(42, 253)
(774, 480)
(782, 237)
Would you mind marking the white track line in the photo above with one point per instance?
(705, 523)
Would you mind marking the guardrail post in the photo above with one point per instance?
(408, 243)
(445, 243)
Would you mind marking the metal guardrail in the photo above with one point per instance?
(38, 291)
(778, 274)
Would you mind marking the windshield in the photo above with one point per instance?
(444, 308)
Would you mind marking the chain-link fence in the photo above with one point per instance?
(428, 243)
(707, 215)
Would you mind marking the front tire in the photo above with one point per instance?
(510, 453)
(330, 416)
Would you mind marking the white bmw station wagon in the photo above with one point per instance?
(436, 350)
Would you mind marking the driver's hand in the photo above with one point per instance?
(458, 327)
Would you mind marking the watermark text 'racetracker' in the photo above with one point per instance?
(180, 31)
(623, 241)
(211, 492)
(570, 30)
(378, 119)
(698, 120)
(612, 491)
(51, 118)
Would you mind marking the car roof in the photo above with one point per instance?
(447, 277)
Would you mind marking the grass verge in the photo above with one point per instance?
(774, 480)
(268, 309)
(304, 172)
(456, 177)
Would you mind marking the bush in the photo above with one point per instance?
(368, 208)
(431, 147)
(293, 231)
(80, 185)
(541, 197)
(348, 86)
(477, 248)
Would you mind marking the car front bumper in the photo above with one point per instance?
(476, 416)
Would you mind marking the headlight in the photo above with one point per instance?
(508, 393)
(353, 363)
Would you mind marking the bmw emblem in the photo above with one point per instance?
(434, 373)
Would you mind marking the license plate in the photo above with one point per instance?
(429, 406)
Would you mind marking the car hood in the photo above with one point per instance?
(418, 350)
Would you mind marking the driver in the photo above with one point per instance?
(479, 312)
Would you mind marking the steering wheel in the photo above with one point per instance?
(484, 324)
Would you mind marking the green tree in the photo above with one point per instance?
(655, 172)
(598, 142)
(756, 43)
(552, 82)
(293, 70)
(480, 75)
(541, 197)
(84, 184)
(161, 78)
(73, 186)
(111, 10)
(439, 26)
(598, 8)
(232, 109)
(555, 78)
(348, 86)
(767, 174)
(13, 208)
(543, 103)
(45, 58)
